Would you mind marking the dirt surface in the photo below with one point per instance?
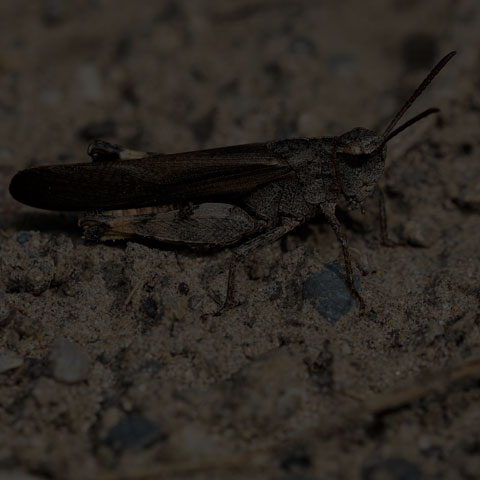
(111, 366)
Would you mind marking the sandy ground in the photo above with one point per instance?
(111, 367)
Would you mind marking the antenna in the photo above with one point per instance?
(388, 134)
(410, 122)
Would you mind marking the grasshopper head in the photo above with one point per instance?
(359, 141)
(361, 152)
(361, 158)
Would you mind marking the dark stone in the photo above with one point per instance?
(134, 431)
(150, 307)
(466, 148)
(23, 237)
(276, 292)
(394, 469)
(295, 460)
(183, 288)
(154, 314)
(328, 293)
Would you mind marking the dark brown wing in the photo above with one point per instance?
(206, 175)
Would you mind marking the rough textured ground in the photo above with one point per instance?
(109, 367)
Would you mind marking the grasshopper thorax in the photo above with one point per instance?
(360, 154)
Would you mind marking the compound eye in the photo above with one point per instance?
(354, 148)
(366, 145)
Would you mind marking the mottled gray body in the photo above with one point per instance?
(322, 174)
(249, 194)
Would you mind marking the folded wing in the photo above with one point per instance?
(207, 175)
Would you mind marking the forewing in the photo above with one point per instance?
(207, 175)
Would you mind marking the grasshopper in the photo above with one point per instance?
(244, 196)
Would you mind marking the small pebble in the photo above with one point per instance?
(9, 360)
(69, 361)
(328, 292)
(150, 307)
(38, 278)
(23, 237)
(296, 460)
(134, 431)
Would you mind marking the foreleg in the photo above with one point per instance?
(382, 214)
(329, 214)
